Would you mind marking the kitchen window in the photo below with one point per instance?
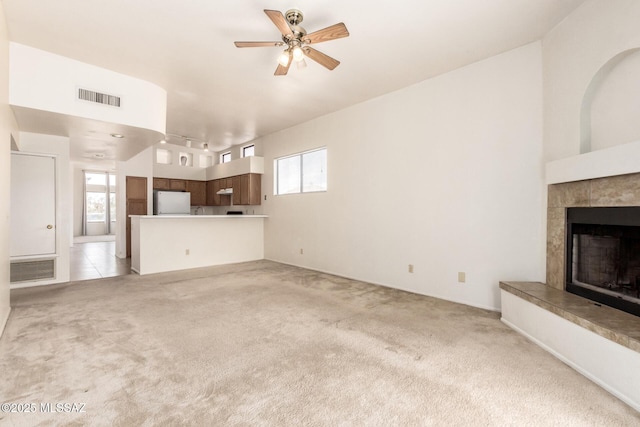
(248, 151)
(225, 157)
(301, 173)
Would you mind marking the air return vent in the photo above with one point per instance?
(23, 271)
(100, 98)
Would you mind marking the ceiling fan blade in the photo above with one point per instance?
(278, 18)
(321, 58)
(282, 70)
(333, 32)
(258, 44)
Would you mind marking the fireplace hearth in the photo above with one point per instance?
(603, 255)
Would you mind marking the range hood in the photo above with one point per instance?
(225, 191)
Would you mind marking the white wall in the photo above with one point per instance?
(7, 126)
(251, 164)
(615, 105)
(573, 53)
(177, 171)
(236, 150)
(57, 146)
(49, 82)
(445, 175)
(139, 165)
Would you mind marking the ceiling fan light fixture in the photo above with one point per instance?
(298, 54)
(295, 39)
(285, 58)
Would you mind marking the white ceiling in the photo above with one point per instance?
(226, 96)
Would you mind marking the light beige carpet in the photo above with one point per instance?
(267, 344)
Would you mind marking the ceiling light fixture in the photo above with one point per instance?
(296, 40)
(188, 141)
(298, 54)
(285, 58)
(117, 135)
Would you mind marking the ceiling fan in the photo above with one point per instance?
(296, 39)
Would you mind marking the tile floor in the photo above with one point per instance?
(95, 260)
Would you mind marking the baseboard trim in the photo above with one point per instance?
(384, 285)
(3, 322)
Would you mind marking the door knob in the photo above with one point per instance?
(49, 227)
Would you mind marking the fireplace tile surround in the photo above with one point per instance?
(614, 191)
(621, 190)
(599, 342)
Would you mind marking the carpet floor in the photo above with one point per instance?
(266, 344)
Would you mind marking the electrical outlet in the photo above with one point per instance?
(462, 276)
(301, 251)
(410, 268)
(186, 252)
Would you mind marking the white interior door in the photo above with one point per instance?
(33, 205)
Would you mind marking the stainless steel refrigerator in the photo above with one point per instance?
(171, 203)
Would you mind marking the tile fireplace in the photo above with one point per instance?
(603, 255)
(593, 238)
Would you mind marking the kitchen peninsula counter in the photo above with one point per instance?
(161, 243)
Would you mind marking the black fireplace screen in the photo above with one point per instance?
(603, 256)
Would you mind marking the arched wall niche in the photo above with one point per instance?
(610, 111)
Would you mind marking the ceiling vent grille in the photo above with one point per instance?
(22, 271)
(100, 98)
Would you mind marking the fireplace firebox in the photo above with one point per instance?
(603, 256)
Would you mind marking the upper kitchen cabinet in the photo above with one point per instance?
(255, 189)
(161, 183)
(236, 184)
(198, 190)
(178, 185)
(247, 189)
(215, 199)
(169, 184)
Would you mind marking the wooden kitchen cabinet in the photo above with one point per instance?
(177, 185)
(169, 184)
(198, 190)
(225, 199)
(255, 189)
(247, 189)
(211, 193)
(161, 184)
(136, 197)
(214, 199)
(236, 184)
